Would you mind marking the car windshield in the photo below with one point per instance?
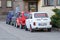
(40, 15)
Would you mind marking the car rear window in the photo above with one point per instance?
(40, 15)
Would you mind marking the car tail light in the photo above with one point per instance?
(34, 24)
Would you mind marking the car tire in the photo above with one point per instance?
(49, 29)
(12, 24)
(26, 29)
(21, 26)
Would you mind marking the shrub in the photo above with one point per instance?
(56, 18)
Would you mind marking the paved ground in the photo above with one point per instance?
(8, 32)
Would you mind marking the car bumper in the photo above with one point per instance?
(41, 27)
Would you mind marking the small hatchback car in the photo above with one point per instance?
(9, 17)
(20, 21)
(37, 21)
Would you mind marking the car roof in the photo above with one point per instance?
(38, 12)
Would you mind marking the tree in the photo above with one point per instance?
(55, 19)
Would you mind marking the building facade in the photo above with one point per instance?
(29, 5)
(38, 5)
(5, 6)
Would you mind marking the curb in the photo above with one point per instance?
(57, 29)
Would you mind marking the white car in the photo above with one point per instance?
(37, 21)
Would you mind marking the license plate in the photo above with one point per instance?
(42, 24)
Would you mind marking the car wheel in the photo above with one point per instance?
(7, 22)
(26, 29)
(49, 29)
(12, 24)
(21, 26)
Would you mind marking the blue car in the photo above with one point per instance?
(9, 17)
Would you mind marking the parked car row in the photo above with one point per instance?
(30, 21)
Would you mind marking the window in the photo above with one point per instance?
(58, 2)
(9, 3)
(51, 2)
(0, 3)
(32, 6)
(48, 2)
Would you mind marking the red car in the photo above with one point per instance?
(20, 21)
